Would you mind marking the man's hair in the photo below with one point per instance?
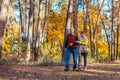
(72, 28)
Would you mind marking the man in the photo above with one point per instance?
(70, 47)
(83, 50)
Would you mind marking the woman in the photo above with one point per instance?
(83, 50)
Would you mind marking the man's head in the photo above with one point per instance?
(83, 33)
(71, 30)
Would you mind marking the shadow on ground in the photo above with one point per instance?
(97, 71)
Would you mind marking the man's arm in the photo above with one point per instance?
(66, 42)
(77, 39)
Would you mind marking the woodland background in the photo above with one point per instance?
(35, 30)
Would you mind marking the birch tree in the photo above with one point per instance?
(30, 27)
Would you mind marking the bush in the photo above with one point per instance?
(50, 54)
(103, 57)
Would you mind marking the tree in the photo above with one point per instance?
(118, 31)
(37, 39)
(112, 33)
(75, 11)
(30, 27)
(85, 13)
(21, 21)
(3, 20)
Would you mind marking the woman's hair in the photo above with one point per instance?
(71, 28)
(83, 32)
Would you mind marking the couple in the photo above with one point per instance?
(71, 45)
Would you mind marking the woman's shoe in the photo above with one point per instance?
(84, 68)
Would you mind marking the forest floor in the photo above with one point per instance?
(95, 71)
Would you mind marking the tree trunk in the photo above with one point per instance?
(75, 11)
(106, 36)
(114, 45)
(118, 33)
(33, 35)
(21, 22)
(112, 33)
(30, 27)
(90, 32)
(38, 34)
(45, 12)
(3, 20)
(48, 7)
(86, 14)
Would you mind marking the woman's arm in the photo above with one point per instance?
(82, 43)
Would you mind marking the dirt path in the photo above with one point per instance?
(95, 71)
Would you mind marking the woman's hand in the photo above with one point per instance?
(77, 41)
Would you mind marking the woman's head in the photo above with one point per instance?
(83, 33)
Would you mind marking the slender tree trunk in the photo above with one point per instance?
(30, 27)
(90, 32)
(114, 45)
(84, 24)
(86, 14)
(38, 33)
(67, 26)
(21, 22)
(75, 11)
(45, 12)
(112, 32)
(45, 18)
(33, 35)
(3, 20)
(106, 36)
(48, 7)
(118, 32)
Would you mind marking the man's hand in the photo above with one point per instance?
(71, 44)
(77, 41)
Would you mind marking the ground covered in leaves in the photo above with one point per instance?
(96, 71)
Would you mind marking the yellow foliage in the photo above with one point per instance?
(6, 38)
(56, 27)
(3, 52)
(10, 37)
(36, 20)
(57, 58)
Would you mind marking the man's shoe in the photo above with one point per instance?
(66, 69)
(79, 69)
